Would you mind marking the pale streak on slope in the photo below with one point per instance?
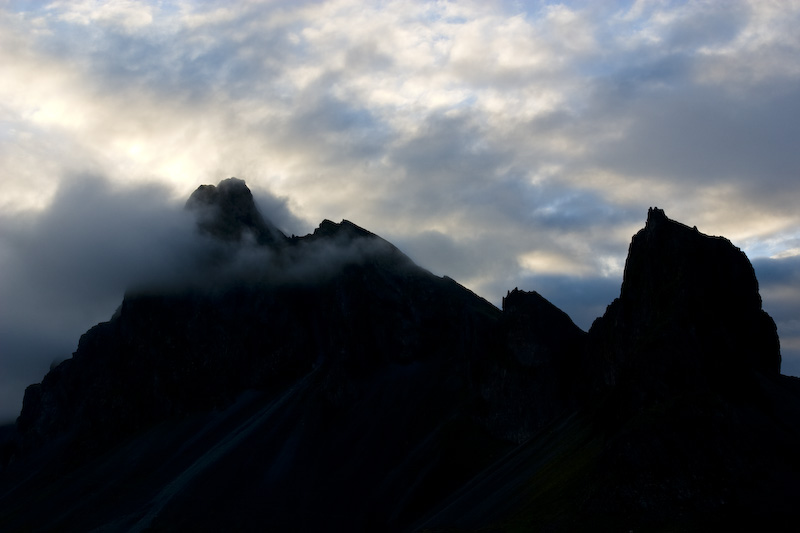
(215, 453)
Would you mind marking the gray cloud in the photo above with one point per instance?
(66, 268)
(705, 134)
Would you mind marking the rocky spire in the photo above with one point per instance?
(227, 211)
(689, 306)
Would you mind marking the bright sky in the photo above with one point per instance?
(505, 144)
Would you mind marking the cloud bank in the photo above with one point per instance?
(506, 144)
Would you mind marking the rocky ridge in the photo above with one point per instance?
(334, 384)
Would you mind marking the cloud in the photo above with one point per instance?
(65, 269)
(125, 14)
(705, 134)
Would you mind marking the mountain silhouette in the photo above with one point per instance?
(326, 382)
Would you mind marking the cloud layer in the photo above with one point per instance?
(504, 144)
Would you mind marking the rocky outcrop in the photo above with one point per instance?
(531, 381)
(688, 315)
(684, 370)
(539, 333)
(227, 212)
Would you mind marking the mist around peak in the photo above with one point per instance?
(67, 267)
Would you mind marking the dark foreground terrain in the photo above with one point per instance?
(327, 383)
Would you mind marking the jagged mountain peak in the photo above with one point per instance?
(344, 229)
(228, 212)
(655, 216)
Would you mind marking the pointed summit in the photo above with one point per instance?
(229, 213)
(655, 216)
(344, 229)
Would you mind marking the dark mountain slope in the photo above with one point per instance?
(329, 380)
(326, 382)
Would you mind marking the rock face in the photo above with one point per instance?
(687, 366)
(332, 384)
(689, 313)
(542, 346)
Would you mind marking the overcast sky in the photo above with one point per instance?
(505, 144)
